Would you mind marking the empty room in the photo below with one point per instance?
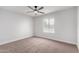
(38, 29)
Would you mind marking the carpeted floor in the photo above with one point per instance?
(37, 45)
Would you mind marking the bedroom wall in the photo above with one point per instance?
(14, 26)
(78, 27)
(65, 26)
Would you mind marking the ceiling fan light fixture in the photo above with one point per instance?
(35, 12)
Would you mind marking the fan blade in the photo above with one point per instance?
(30, 7)
(41, 12)
(29, 11)
(40, 8)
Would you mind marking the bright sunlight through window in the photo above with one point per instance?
(48, 25)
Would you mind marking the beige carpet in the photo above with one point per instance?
(37, 45)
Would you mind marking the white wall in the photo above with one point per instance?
(65, 26)
(14, 26)
(78, 27)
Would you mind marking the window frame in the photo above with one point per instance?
(49, 30)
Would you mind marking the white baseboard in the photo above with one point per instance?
(57, 39)
(16, 39)
(20, 38)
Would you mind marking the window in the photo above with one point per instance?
(48, 25)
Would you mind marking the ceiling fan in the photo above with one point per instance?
(36, 10)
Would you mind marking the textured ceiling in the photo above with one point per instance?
(25, 9)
